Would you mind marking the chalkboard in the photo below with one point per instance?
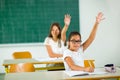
(28, 21)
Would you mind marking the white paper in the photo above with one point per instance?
(76, 73)
(82, 73)
(99, 71)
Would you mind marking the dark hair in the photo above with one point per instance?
(58, 26)
(59, 36)
(72, 34)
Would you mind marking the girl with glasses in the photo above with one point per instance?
(73, 58)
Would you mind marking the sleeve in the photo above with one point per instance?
(66, 54)
(46, 42)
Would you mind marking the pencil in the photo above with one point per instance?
(89, 63)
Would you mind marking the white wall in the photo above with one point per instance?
(36, 49)
(104, 49)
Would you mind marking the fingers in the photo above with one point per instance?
(100, 14)
(99, 17)
(68, 16)
(89, 69)
(67, 19)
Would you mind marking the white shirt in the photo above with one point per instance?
(77, 57)
(54, 45)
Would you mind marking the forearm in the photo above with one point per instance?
(94, 30)
(98, 20)
(63, 33)
(91, 37)
(67, 20)
(79, 68)
(53, 55)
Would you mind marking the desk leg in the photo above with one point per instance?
(6, 69)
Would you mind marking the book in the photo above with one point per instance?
(82, 73)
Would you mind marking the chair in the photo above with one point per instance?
(21, 55)
(22, 67)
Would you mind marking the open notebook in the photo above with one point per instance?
(81, 73)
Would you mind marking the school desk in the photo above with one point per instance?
(8, 62)
(58, 75)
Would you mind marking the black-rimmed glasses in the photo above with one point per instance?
(76, 41)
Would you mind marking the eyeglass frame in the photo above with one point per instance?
(76, 41)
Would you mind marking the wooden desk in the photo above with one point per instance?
(57, 75)
(8, 62)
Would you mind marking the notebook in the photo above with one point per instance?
(82, 73)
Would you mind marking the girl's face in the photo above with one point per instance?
(74, 43)
(55, 31)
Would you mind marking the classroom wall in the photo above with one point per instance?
(104, 49)
(36, 49)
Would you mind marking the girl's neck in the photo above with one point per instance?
(55, 39)
(73, 50)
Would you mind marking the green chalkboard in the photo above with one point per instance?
(28, 21)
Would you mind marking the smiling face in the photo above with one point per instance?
(55, 31)
(74, 41)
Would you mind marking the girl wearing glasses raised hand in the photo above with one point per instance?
(73, 59)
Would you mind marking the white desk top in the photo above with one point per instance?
(7, 62)
(57, 75)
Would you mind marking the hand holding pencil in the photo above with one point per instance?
(90, 68)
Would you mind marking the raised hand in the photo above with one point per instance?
(67, 19)
(99, 17)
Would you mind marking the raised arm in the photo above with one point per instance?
(67, 20)
(99, 18)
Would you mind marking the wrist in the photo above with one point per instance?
(97, 22)
(67, 23)
(84, 69)
(66, 26)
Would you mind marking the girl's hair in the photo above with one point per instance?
(58, 26)
(59, 36)
(73, 34)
